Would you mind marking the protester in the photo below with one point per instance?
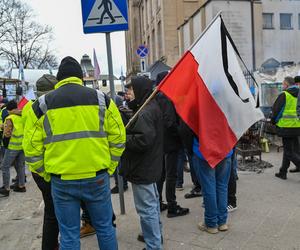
(143, 158)
(50, 226)
(232, 201)
(77, 141)
(214, 183)
(13, 129)
(284, 115)
(171, 148)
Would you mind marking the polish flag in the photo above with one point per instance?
(210, 93)
(25, 99)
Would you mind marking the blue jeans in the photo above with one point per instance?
(9, 157)
(95, 193)
(214, 184)
(146, 200)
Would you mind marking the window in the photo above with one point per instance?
(299, 21)
(286, 21)
(268, 21)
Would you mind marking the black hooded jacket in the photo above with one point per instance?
(277, 111)
(143, 156)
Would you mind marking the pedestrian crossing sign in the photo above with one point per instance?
(104, 15)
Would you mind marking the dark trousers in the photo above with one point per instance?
(50, 225)
(170, 175)
(193, 173)
(291, 153)
(232, 181)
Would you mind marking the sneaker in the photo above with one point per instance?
(211, 230)
(223, 228)
(179, 187)
(295, 170)
(19, 189)
(281, 175)
(4, 192)
(195, 192)
(231, 208)
(177, 211)
(86, 230)
(163, 206)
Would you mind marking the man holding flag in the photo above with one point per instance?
(209, 92)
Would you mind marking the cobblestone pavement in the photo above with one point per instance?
(268, 217)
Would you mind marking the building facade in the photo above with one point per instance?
(261, 29)
(154, 23)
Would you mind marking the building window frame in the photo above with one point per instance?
(266, 25)
(285, 26)
(299, 21)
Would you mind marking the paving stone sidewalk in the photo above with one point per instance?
(268, 217)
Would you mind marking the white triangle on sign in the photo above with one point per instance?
(104, 12)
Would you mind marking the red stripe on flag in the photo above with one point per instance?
(197, 107)
(22, 103)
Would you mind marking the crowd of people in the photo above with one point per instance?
(73, 138)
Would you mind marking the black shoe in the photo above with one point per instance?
(295, 170)
(14, 179)
(195, 192)
(281, 176)
(177, 211)
(141, 238)
(4, 192)
(19, 189)
(163, 206)
(13, 185)
(115, 190)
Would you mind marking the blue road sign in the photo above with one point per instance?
(142, 51)
(104, 15)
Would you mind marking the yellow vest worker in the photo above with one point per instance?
(77, 139)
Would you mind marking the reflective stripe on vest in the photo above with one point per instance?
(15, 142)
(76, 135)
(289, 117)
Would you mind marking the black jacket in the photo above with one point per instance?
(143, 157)
(172, 140)
(277, 111)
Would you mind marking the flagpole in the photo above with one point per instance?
(206, 29)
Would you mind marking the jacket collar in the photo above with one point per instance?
(73, 80)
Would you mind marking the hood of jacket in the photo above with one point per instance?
(142, 88)
(293, 90)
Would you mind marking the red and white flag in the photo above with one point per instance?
(25, 99)
(210, 93)
(96, 67)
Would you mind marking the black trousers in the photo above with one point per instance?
(291, 153)
(50, 225)
(232, 181)
(169, 174)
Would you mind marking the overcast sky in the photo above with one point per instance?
(64, 16)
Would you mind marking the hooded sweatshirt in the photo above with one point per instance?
(143, 157)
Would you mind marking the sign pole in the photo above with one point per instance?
(110, 66)
(113, 96)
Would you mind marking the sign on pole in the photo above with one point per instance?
(104, 15)
(142, 51)
(143, 65)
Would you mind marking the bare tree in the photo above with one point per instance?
(26, 41)
(6, 6)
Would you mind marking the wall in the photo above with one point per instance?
(283, 45)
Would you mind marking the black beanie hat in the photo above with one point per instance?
(11, 105)
(69, 67)
(297, 79)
